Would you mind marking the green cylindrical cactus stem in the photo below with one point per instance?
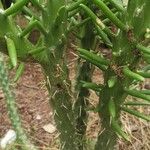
(74, 5)
(146, 57)
(146, 68)
(28, 12)
(107, 20)
(136, 104)
(93, 56)
(118, 130)
(90, 60)
(96, 20)
(79, 24)
(56, 74)
(41, 28)
(112, 81)
(84, 72)
(136, 113)
(19, 72)
(112, 108)
(144, 74)
(31, 26)
(28, 29)
(110, 14)
(103, 36)
(117, 6)
(74, 12)
(138, 94)
(16, 7)
(11, 51)
(37, 50)
(61, 100)
(12, 109)
(127, 72)
(91, 85)
(37, 4)
(110, 99)
(145, 92)
(143, 48)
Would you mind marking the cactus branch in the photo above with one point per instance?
(103, 36)
(31, 26)
(132, 75)
(119, 131)
(143, 49)
(138, 94)
(136, 104)
(36, 3)
(93, 56)
(136, 113)
(110, 14)
(74, 5)
(96, 20)
(12, 109)
(117, 6)
(16, 7)
(144, 74)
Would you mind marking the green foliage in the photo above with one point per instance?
(91, 22)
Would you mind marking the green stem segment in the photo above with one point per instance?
(143, 49)
(136, 113)
(93, 56)
(137, 104)
(11, 51)
(31, 26)
(16, 7)
(96, 20)
(117, 6)
(36, 3)
(119, 131)
(75, 5)
(12, 110)
(110, 14)
(19, 72)
(84, 72)
(132, 75)
(138, 94)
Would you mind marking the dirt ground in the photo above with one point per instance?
(33, 105)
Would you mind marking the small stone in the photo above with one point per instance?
(38, 117)
(9, 138)
(50, 128)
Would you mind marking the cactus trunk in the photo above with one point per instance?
(124, 53)
(85, 72)
(61, 101)
(107, 138)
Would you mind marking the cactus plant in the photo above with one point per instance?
(128, 42)
(12, 109)
(49, 52)
(121, 69)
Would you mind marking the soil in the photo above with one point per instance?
(33, 105)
